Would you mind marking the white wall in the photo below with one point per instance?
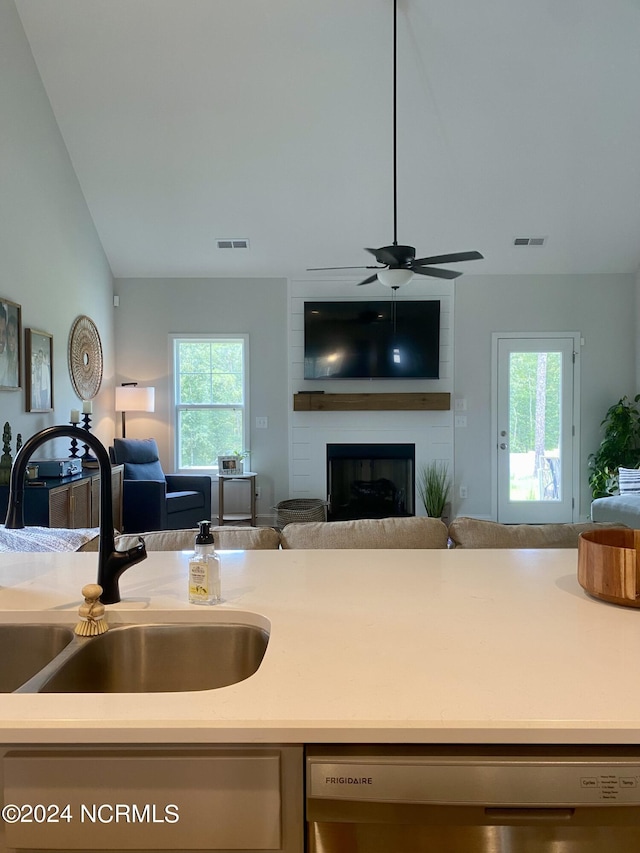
(637, 316)
(51, 261)
(601, 307)
(153, 309)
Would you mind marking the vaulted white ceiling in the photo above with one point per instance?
(192, 120)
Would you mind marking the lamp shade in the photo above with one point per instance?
(394, 277)
(130, 398)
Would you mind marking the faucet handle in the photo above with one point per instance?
(91, 613)
(138, 550)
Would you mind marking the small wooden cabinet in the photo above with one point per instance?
(69, 502)
(69, 505)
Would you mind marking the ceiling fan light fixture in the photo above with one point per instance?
(394, 278)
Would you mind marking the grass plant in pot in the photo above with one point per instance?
(434, 487)
(620, 447)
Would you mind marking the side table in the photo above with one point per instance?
(231, 517)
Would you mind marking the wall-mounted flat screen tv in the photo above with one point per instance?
(394, 339)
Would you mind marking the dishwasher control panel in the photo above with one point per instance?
(505, 780)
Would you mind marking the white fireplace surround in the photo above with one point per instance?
(310, 432)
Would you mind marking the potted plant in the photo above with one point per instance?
(434, 486)
(240, 455)
(619, 447)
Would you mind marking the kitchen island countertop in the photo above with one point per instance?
(429, 646)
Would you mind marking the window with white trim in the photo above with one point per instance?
(210, 392)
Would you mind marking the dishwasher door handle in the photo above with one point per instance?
(529, 815)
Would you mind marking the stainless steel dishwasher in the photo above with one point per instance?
(465, 799)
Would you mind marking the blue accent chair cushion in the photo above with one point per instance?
(152, 500)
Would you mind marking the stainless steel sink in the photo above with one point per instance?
(161, 658)
(26, 649)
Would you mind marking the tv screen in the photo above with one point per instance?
(372, 340)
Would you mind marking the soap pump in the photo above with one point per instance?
(204, 568)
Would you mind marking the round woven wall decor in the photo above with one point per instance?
(85, 358)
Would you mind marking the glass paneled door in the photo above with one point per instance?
(536, 440)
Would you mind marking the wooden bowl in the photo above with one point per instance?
(609, 564)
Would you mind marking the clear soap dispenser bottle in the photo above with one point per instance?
(204, 569)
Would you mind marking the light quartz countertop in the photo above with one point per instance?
(426, 646)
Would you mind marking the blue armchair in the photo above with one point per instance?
(153, 500)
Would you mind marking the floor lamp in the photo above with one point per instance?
(130, 398)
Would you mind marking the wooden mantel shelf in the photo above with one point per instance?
(409, 402)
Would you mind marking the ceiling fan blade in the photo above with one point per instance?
(367, 280)
(451, 259)
(384, 256)
(316, 269)
(434, 272)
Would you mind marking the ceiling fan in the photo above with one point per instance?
(398, 264)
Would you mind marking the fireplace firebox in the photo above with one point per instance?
(370, 480)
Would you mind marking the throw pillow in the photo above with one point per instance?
(628, 480)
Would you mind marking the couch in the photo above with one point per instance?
(411, 532)
(227, 538)
(620, 509)
(393, 533)
(476, 533)
(623, 508)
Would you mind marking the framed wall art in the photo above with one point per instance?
(10, 334)
(39, 360)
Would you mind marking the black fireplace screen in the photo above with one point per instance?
(370, 480)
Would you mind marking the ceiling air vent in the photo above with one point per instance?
(529, 241)
(233, 243)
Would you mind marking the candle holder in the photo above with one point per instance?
(88, 460)
(73, 450)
